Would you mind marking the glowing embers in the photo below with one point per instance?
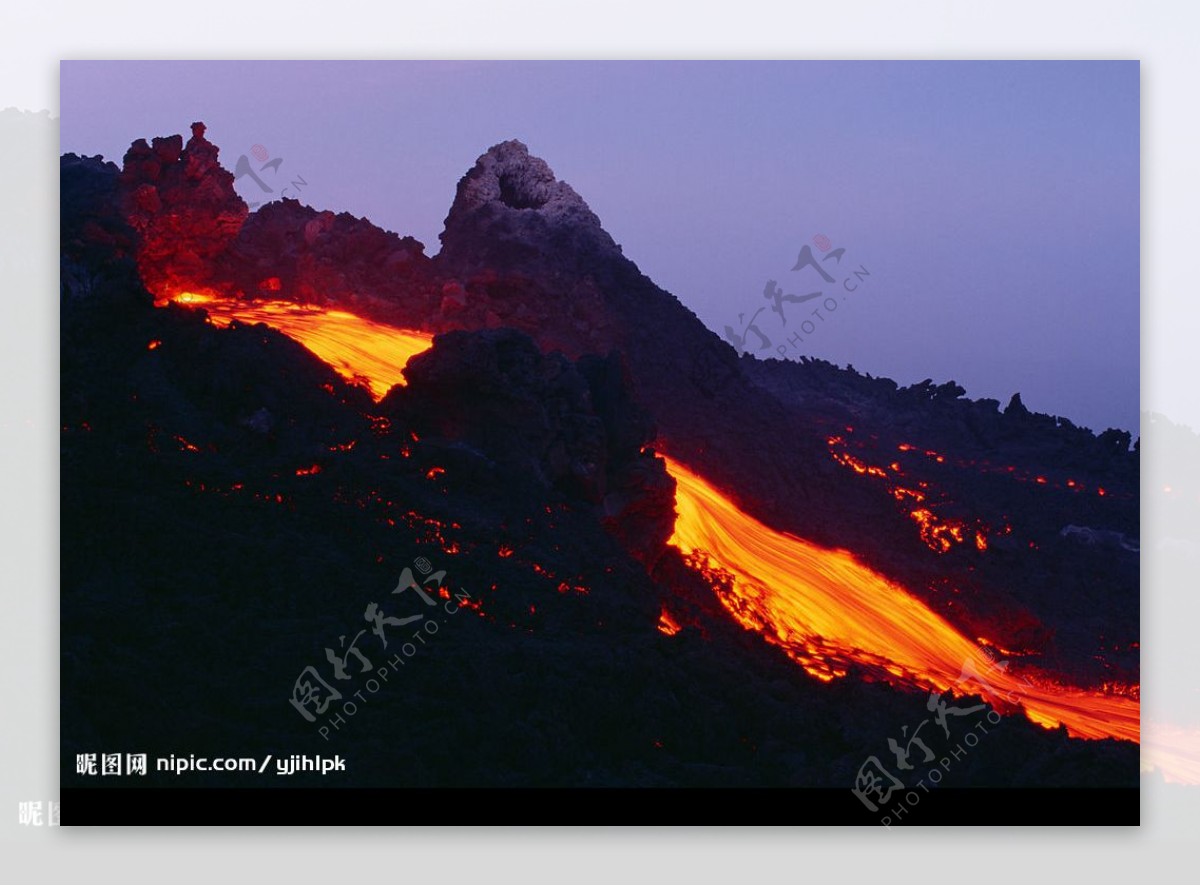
(361, 350)
(856, 465)
(667, 624)
(829, 613)
(939, 533)
(444, 534)
(1000, 650)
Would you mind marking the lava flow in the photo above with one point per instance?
(824, 608)
(363, 351)
(828, 611)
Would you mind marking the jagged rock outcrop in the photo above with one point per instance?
(182, 203)
(574, 427)
(510, 211)
(288, 250)
(97, 259)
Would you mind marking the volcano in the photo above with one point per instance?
(629, 556)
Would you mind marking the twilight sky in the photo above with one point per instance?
(995, 204)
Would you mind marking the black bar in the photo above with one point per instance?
(594, 806)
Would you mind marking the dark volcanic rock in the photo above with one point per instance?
(573, 428)
(98, 247)
(288, 250)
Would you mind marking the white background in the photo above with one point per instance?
(1163, 35)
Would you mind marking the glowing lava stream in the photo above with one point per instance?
(359, 349)
(824, 608)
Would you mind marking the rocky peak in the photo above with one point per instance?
(507, 173)
(510, 207)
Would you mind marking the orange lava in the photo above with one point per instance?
(827, 611)
(667, 624)
(823, 607)
(361, 350)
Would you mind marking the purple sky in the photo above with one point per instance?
(995, 204)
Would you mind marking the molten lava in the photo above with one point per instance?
(667, 624)
(361, 350)
(827, 612)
